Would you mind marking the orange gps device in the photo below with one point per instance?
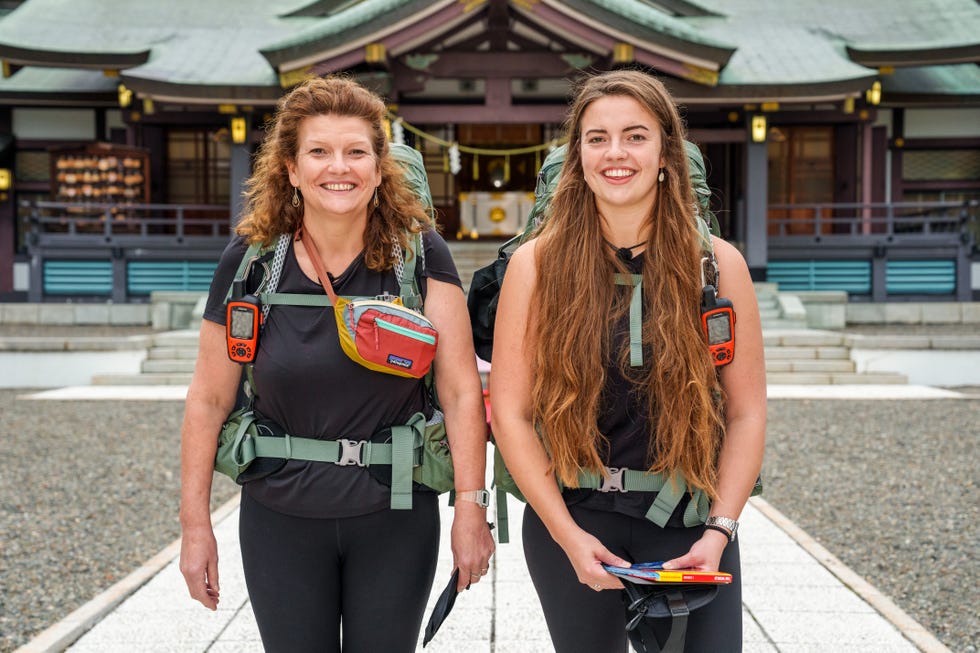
(718, 321)
(243, 319)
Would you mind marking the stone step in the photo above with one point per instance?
(834, 378)
(803, 338)
(807, 366)
(169, 366)
(881, 378)
(183, 338)
(797, 378)
(804, 353)
(141, 379)
(169, 353)
(769, 313)
(783, 323)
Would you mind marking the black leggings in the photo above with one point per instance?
(582, 620)
(372, 573)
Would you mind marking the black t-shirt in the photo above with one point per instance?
(307, 384)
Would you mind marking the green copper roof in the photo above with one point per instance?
(60, 85)
(635, 17)
(336, 30)
(960, 80)
(203, 50)
(200, 42)
(806, 41)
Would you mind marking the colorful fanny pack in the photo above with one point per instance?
(384, 336)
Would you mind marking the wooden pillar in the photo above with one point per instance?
(239, 170)
(756, 208)
(8, 210)
(867, 175)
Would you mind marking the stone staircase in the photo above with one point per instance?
(169, 360)
(794, 354)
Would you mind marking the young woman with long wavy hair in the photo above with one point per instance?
(566, 399)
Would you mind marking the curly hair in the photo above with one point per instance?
(268, 209)
(576, 300)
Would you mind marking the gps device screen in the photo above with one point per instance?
(719, 328)
(242, 325)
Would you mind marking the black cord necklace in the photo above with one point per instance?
(624, 253)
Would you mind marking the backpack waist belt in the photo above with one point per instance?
(403, 452)
(669, 494)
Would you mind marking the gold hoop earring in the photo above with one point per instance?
(660, 177)
(295, 200)
(376, 202)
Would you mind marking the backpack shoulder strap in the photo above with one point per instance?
(406, 268)
(254, 250)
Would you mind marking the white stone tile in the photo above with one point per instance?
(140, 647)
(844, 631)
(751, 632)
(189, 628)
(764, 554)
(804, 599)
(788, 575)
(526, 646)
(242, 627)
(755, 647)
(464, 625)
(237, 647)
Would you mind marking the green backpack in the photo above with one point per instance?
(418, 451)
(482, 304)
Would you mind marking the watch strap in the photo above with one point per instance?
(479, 497)
(726, 523)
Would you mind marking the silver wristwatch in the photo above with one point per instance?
(728, 524)
(479, 497)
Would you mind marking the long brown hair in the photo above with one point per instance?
(269, 211)
(576, 299)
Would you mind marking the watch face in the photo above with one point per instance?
(483, 498)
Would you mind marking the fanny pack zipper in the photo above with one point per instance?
(395, 328)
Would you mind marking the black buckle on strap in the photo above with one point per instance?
(351, 452)
(614, 481)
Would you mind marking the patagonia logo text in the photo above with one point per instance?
(399, 361)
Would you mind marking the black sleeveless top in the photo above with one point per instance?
(624, 420)
(307, 384)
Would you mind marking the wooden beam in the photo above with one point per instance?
(488, 65)
(421, 114)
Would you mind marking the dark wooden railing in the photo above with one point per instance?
(885, 237)
(53, 220)
(103, 240)
(874, 220)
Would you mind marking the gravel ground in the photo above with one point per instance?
(90, 491)
(888, 487)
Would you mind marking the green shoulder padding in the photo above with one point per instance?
(254, 250)
(414, 166)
